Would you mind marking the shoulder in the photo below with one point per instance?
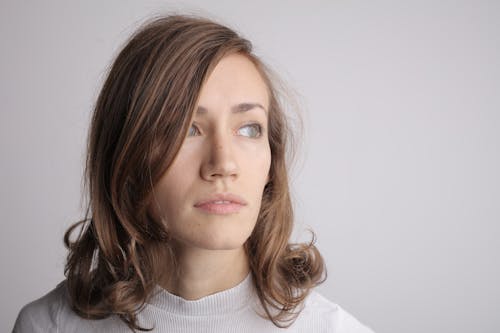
(327, 316)
(52, 313)
(42, 314)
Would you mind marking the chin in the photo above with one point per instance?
(221, 243)
(214, 232)
(216, 240)
(221, 247)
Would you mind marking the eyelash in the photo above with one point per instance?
(257, 125)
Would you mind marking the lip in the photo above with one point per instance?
(233, 205)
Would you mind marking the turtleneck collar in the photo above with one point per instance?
(223, 302)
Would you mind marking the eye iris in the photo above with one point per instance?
(192, 131)
(254, 130)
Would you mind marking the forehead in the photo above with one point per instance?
(234, 80)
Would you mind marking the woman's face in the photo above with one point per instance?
(226, 153)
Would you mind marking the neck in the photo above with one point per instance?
(201, 272)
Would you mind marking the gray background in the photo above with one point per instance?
(397, 171)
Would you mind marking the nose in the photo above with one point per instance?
(220, 161)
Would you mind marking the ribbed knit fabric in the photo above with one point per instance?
(232, 310)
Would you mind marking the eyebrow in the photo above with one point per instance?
(238, 108)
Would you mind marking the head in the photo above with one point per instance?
(164, 136)
(187, 112)
(225, 157)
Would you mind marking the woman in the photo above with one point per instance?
(190, 208)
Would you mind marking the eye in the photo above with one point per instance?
(193, 130)
(251, 130)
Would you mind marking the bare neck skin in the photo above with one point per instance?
(202, 272)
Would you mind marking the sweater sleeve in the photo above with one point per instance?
(331, 317)
(349, 324)
(40, 315)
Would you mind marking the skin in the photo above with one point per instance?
(221, 153)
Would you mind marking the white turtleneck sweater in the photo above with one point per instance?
(231, 310)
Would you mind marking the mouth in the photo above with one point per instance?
(221, 204)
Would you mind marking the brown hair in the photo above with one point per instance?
(139, 122)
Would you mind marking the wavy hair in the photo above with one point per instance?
(138, 125)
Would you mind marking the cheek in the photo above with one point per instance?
(259, 171)
(172, 188)
(255, 171)
(260, 163)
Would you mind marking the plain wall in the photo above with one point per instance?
(398, 174)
